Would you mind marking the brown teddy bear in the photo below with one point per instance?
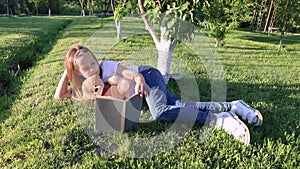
(116, 87)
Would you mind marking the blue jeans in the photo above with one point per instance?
(163, 105)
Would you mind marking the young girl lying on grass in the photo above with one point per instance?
(80, 64)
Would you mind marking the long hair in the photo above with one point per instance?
(72, 68)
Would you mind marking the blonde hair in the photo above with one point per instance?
(72, 68)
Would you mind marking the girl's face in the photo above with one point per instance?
(87, 65)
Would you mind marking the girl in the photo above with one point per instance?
(80, 63)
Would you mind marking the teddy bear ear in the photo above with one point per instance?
(88, 88)
(113, 80)
(99, 82)
(123, 86)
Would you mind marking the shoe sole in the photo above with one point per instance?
(259, 115)
(246, 141)
(212, 120)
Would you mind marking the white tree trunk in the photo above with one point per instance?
(90, 13)
(280, 45)
(82, 12)
(49, 12)
(164, 57)
(164, 46)
(119, 28)
(218, 42)
(165, 50)
(7, 8)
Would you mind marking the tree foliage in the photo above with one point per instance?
(171, 14)
(288, 13)
(168, 23)
(223, 16)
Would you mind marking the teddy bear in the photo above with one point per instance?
(116, 87)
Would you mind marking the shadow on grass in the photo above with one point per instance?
(245, 48)
(273, 100)
(273, 39)
(278, 104)
(11, 93)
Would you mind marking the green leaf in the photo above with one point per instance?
(184, 6)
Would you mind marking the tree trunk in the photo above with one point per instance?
(82, 12)
(165, 50)
(7, 8)
(267, 20)
(218, 42)
(119, 28)
(164, 59)
(281, 39)
(91, 13)
(49, 8)
(254, 16)
(164, 46)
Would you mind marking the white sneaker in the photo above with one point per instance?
(230, 123)
(252, 116)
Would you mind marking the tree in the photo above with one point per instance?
(105, 5)
(7, 7)
(118, 14)
(92, 5)
(169, 15)
(288, 12)
(49, 7)
(37, 4)
(120, 9)
(82, 7)
(223, 16)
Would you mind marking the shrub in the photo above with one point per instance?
(71, 9)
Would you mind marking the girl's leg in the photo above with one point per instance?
(160, 110)
(162, 103)
(154, 78)
(214, 107)
(252, 116)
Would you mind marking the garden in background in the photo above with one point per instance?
(37, 131)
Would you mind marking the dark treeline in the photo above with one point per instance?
(44, 7)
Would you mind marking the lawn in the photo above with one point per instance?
(37, 131)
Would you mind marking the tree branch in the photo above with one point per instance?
(147, 24)
(112, 4)
(159, 5)
(141, 6)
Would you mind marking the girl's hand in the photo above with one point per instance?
(142, 89)
(62, 90)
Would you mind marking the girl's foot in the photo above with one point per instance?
(252, 116)
(229, 122)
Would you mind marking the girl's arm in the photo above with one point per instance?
(62, 90)
(140, 87)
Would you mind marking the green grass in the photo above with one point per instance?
(22, 42)
(40, 132)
